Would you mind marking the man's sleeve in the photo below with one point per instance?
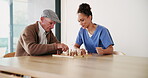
(53, 39)
(28, 42)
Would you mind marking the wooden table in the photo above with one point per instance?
(78, 67)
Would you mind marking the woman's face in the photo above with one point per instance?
(84, 20)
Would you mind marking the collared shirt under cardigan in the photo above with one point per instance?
(42, 35)
(28, 44)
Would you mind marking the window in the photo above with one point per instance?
(20, 19)
(4, 26)
(14, 18)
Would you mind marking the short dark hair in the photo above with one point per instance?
(85, 9)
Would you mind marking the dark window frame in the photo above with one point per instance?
(58, 25)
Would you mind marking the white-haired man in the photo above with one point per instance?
(37, 39)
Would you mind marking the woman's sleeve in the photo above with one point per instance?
(106, 38)
(79, 38)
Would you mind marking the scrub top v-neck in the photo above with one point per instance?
(100, 38)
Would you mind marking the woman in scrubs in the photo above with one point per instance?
(96, 38)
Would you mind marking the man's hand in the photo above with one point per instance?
(62, 46)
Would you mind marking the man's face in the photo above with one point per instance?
(47, 24)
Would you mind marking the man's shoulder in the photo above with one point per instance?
(33, 26)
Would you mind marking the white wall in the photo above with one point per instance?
(127, 21)
(36, 7)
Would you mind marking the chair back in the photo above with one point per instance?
(12, 54)
(119, 53)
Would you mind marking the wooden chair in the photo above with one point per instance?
(119, 53)
(12, 54)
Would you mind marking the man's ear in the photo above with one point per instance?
(42, 18)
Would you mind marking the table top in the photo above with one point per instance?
(108, 66)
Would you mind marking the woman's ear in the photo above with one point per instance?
(90, 17)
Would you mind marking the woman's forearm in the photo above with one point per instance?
(109, 50)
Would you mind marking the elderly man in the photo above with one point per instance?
(38, 39)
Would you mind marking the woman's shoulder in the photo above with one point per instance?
(81, 29)
(101, 27)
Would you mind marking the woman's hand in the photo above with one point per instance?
(99, 50)
(81, 52)
(108, 50)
